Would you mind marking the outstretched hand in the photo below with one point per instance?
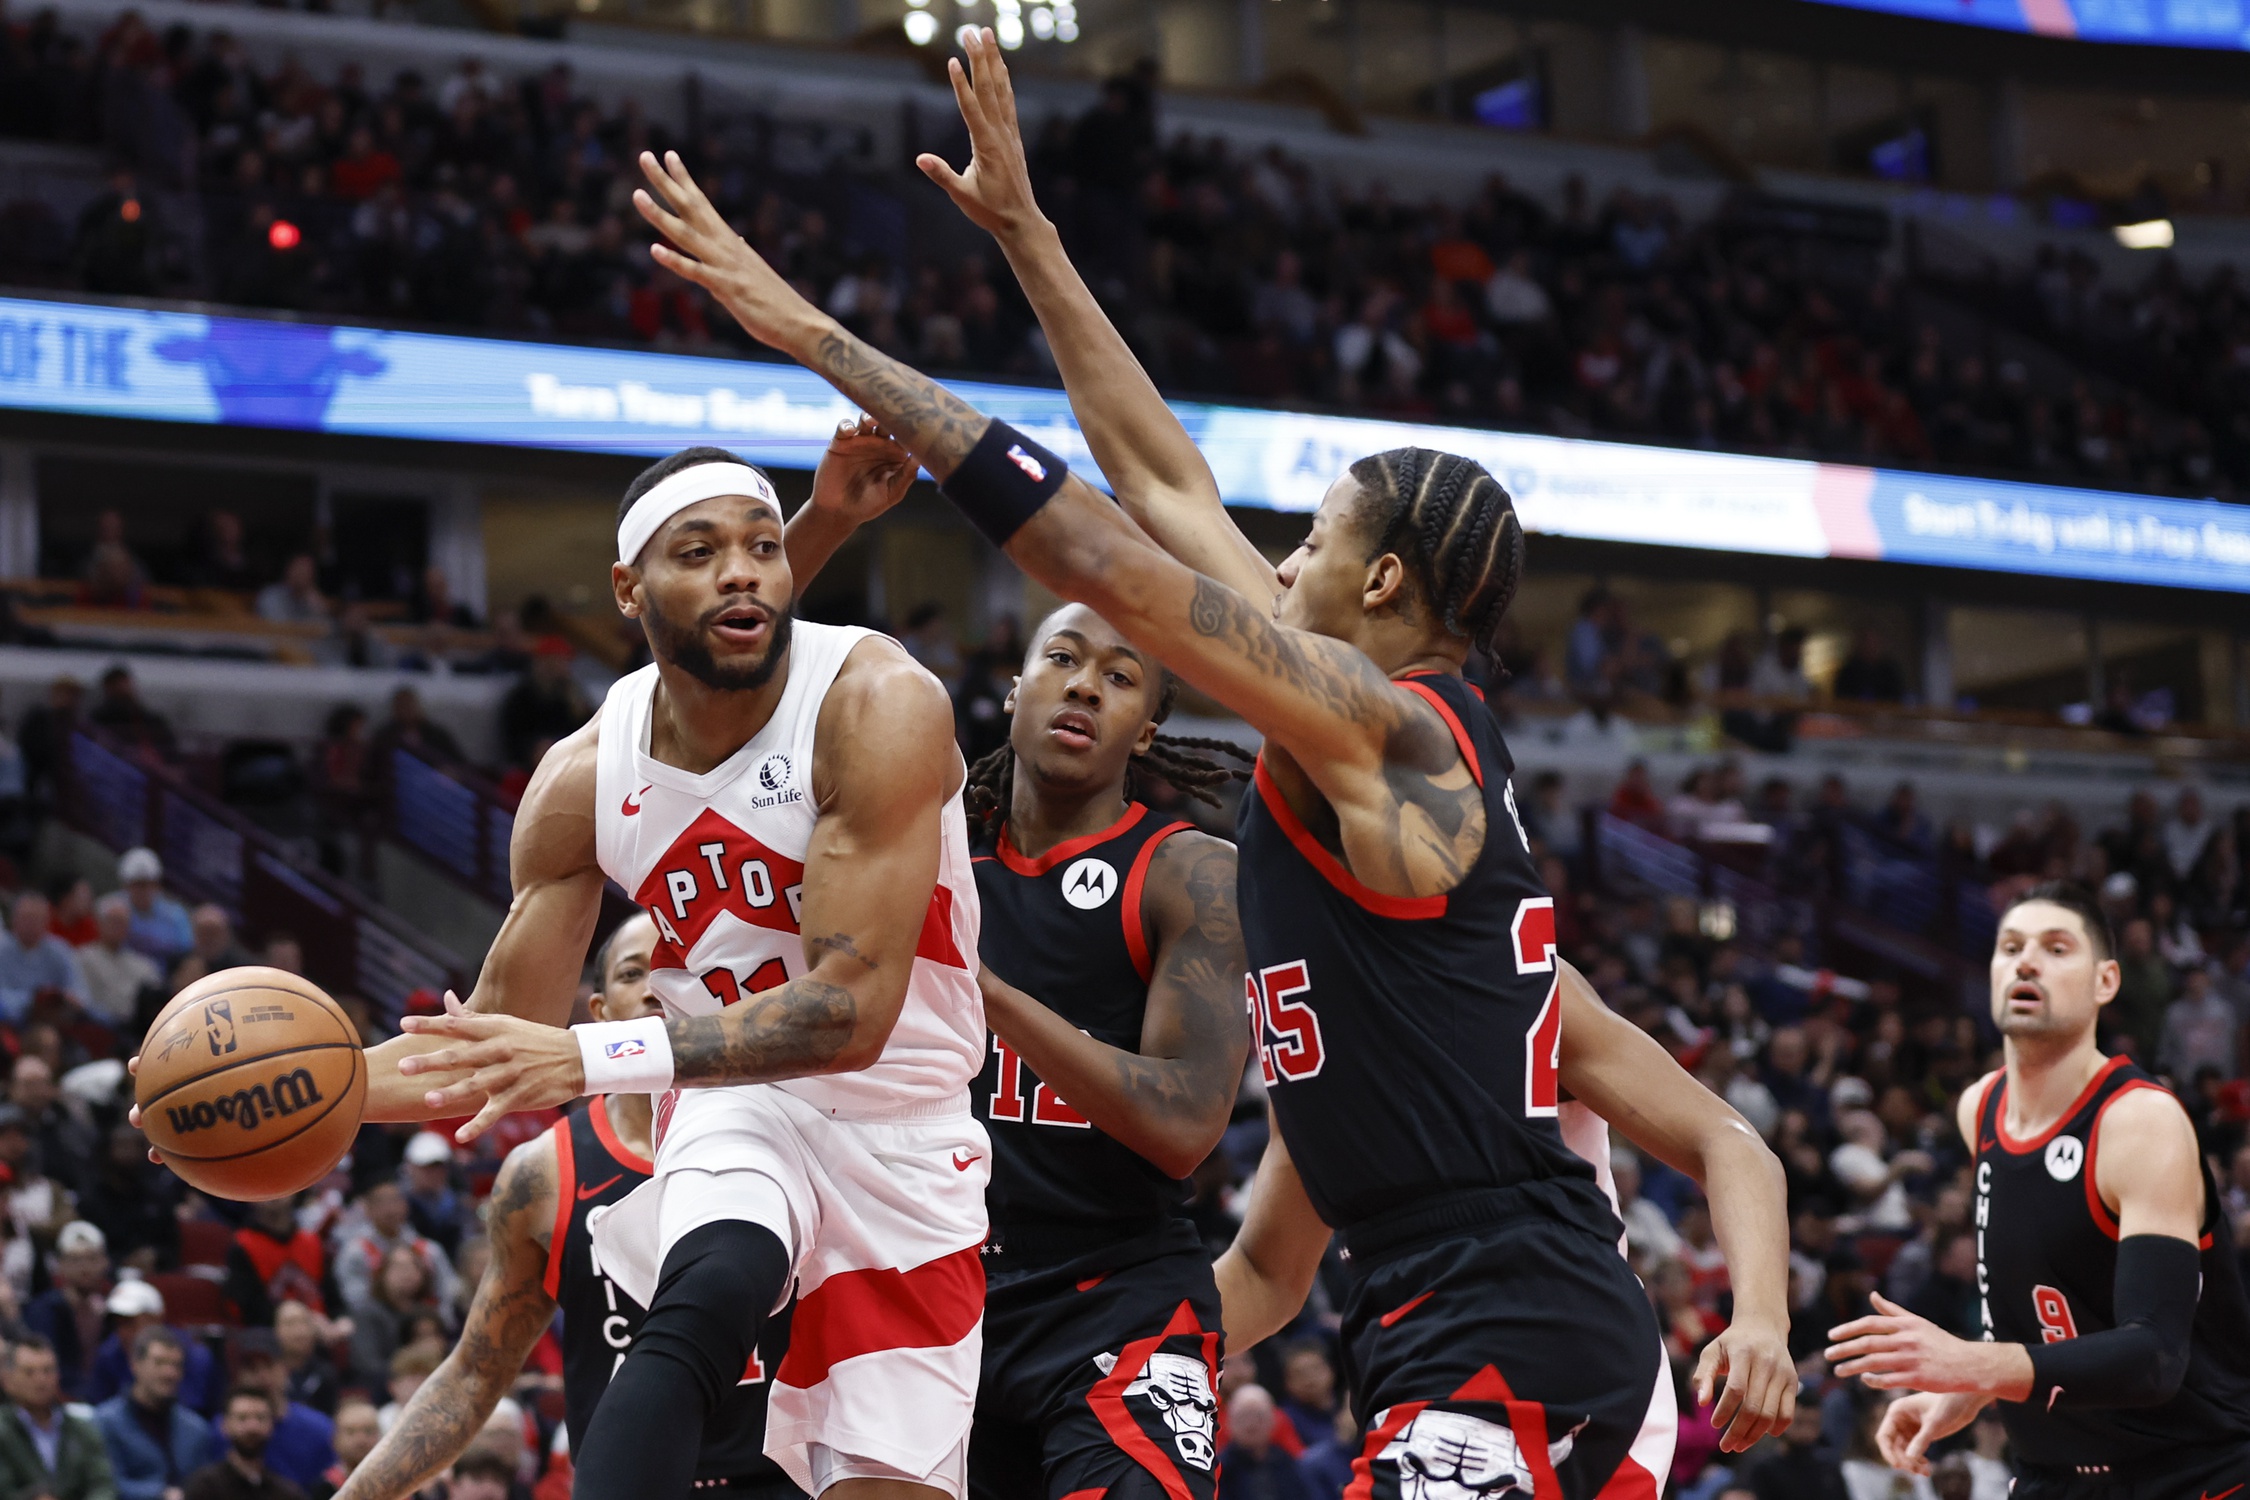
(510, 1064)
(705, 249)
(1761, 1384)
(864, 473)
(995, 192)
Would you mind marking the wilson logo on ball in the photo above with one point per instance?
(250, 1107)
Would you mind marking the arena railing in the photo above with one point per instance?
(211, 853)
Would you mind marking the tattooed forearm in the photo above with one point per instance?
(938, 427)
(1336, 676)
(509, 1313)
(794, 1030)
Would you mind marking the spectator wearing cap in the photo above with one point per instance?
(46, 1449)
(155, 1438)
(303, 1444)
(69, 1314)
(436, 1209)
(116, 975)
(273, 1260)
(137, 1307)
(385, 1227)
(159, 925)
(34, 962)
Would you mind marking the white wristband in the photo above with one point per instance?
(626, 1057)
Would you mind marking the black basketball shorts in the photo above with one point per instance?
(1101, 1379)
(1510, 1359)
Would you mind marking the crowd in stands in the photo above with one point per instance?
(504, 203)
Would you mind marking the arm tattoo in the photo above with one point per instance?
(511, 1310)
(841, 942)
(1200, 968)
(1340, 680)
(794, 1030)
(936, 425)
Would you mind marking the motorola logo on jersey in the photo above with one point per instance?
(776, 778)
(1089, 883)
(2065, 1155)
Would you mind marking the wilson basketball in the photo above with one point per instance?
(251, 1084)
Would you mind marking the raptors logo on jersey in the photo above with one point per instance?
(717, 860)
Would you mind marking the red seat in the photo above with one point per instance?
(190, 1301)
(205, 1242)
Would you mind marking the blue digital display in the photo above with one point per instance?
(2169, 23)
(191, 367)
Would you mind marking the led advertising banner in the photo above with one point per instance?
(2171, 23)
(190, 367)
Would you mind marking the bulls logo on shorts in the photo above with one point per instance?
(1451, 1455)
(1179, 1387)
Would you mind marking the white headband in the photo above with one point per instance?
(676, 492)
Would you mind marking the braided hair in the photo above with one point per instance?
(1170, 759)
(1455, 527)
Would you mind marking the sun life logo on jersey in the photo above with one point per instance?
(776, 778)
(1089, 883)
(2065, 1155)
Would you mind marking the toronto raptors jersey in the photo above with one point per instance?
(718, 860)
(593, 1168)
(1411, 1044)
(1066, 929)
(2046, 1268)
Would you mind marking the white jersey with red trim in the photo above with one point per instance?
(718, 861)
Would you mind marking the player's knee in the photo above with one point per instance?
(718, 1284)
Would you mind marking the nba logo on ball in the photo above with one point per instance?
(2065, 1155)
(630, 1047)
(1088, 883)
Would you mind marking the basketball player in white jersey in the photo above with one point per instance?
(781, 797)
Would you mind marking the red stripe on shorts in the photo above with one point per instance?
(933, 1306)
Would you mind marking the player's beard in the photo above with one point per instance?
(688, 648)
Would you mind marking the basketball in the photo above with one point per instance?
(251, 1084)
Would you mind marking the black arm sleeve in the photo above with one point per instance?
(2142, 1360)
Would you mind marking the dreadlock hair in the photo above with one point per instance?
(1170, 758)
(1456, 529)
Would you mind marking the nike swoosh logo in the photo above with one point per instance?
(1987, 1144)
(2222, 1495)
(962, 1165)
(633, 802)
(587, 1192)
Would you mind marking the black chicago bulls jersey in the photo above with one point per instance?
(1410, 1043)
(2047, 1266)
(593, 1168)
(1066, 929)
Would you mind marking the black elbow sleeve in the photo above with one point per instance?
(2142, 1360)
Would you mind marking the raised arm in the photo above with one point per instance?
(1170, 1100)
(511, 1309)
(862, 475)
(884, 769)
(1620, 1073)
(1350, 729)
(1151, 463)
